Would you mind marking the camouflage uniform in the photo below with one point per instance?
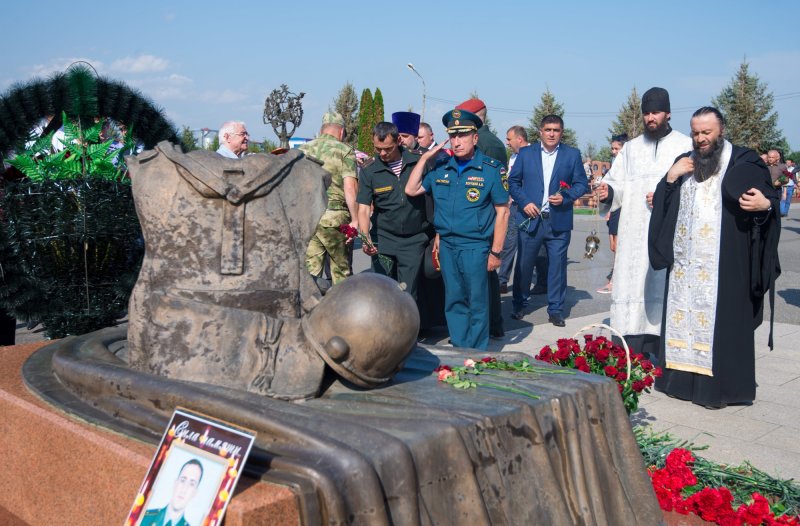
(340, 161)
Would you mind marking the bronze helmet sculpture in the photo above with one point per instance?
(364, 329)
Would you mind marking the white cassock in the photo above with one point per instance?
(638, 292)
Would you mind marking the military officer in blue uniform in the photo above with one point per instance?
(470, 194)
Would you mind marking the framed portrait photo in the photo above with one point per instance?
(193, 473)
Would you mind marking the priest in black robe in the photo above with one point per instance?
(715, 225)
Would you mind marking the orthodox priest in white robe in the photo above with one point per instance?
(715, 228)
(638, 291)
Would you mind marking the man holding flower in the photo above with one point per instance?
(546, 179)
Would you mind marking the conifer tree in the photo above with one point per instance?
(746, 105)
(346, 105)
(629, 118)
(377, 107)
(365, 123)
(188, 141)
(548, 105)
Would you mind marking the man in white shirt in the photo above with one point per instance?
(233, 139)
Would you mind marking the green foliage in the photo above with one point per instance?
(377, 107)
(71, 246)
(629, 118)
(590, 150)
(548, 105)
(603, 154)
(188, 141)
(81, 95)
(742, 480)
(213, 146)
(365, 123)
(346, 104)
(747, 105)
(84, 155)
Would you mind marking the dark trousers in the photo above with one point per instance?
(495, 307)
(406, 262)
(466, 291)
(510, 251)
(528, 245)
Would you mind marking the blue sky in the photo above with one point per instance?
(207, 62)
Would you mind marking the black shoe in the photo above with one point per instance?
(558, 321)
(504, 288)
(539, 290)
(517, 315)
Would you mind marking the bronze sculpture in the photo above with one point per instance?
(411, 451)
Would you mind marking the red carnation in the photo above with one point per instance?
(488, 359)
(610, 370)
(563, 185)
(562, 353)
(647, 365)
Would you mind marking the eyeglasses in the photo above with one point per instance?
(241, 134)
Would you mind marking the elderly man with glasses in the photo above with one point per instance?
(233, 139)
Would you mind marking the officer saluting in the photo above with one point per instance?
(470, 195)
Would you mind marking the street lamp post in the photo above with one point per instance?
(411, 67)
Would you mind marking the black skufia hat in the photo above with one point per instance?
(655, 99)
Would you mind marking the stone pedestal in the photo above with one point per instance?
(59, 471)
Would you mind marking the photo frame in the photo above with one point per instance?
(193, 473)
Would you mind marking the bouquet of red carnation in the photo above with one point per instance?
(604, 357)
(349, 231)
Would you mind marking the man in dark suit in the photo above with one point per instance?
(546, 179)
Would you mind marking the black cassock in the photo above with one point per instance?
(748, 267)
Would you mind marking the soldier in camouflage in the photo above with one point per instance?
(339, 160)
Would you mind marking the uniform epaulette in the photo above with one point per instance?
(491, 162)
(368, 162)
(418, 151)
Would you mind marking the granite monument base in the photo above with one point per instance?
(58, 470)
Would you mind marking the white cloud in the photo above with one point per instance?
(139, 64)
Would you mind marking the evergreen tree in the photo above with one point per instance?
(747, 106)
(365, 123)
(603, 154)
(549, 106)
(629, 118)
(187, 140)
(346, 105)
(377, 107)
(214, 145)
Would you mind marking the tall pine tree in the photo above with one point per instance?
(629, 118)
(346, 105)
(365, 123)
(549, 106)
(747, 106)
(377, 107)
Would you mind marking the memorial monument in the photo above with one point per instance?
(226, 321)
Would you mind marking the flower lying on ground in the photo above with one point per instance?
(604, 357)
(677, 489)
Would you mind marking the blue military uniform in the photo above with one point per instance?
(465, 194)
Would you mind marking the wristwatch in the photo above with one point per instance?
(495, 254)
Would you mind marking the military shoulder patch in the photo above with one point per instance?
(491, 162)
(368, 162)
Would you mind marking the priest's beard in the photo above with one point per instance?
(706, 164)
(659, 132)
